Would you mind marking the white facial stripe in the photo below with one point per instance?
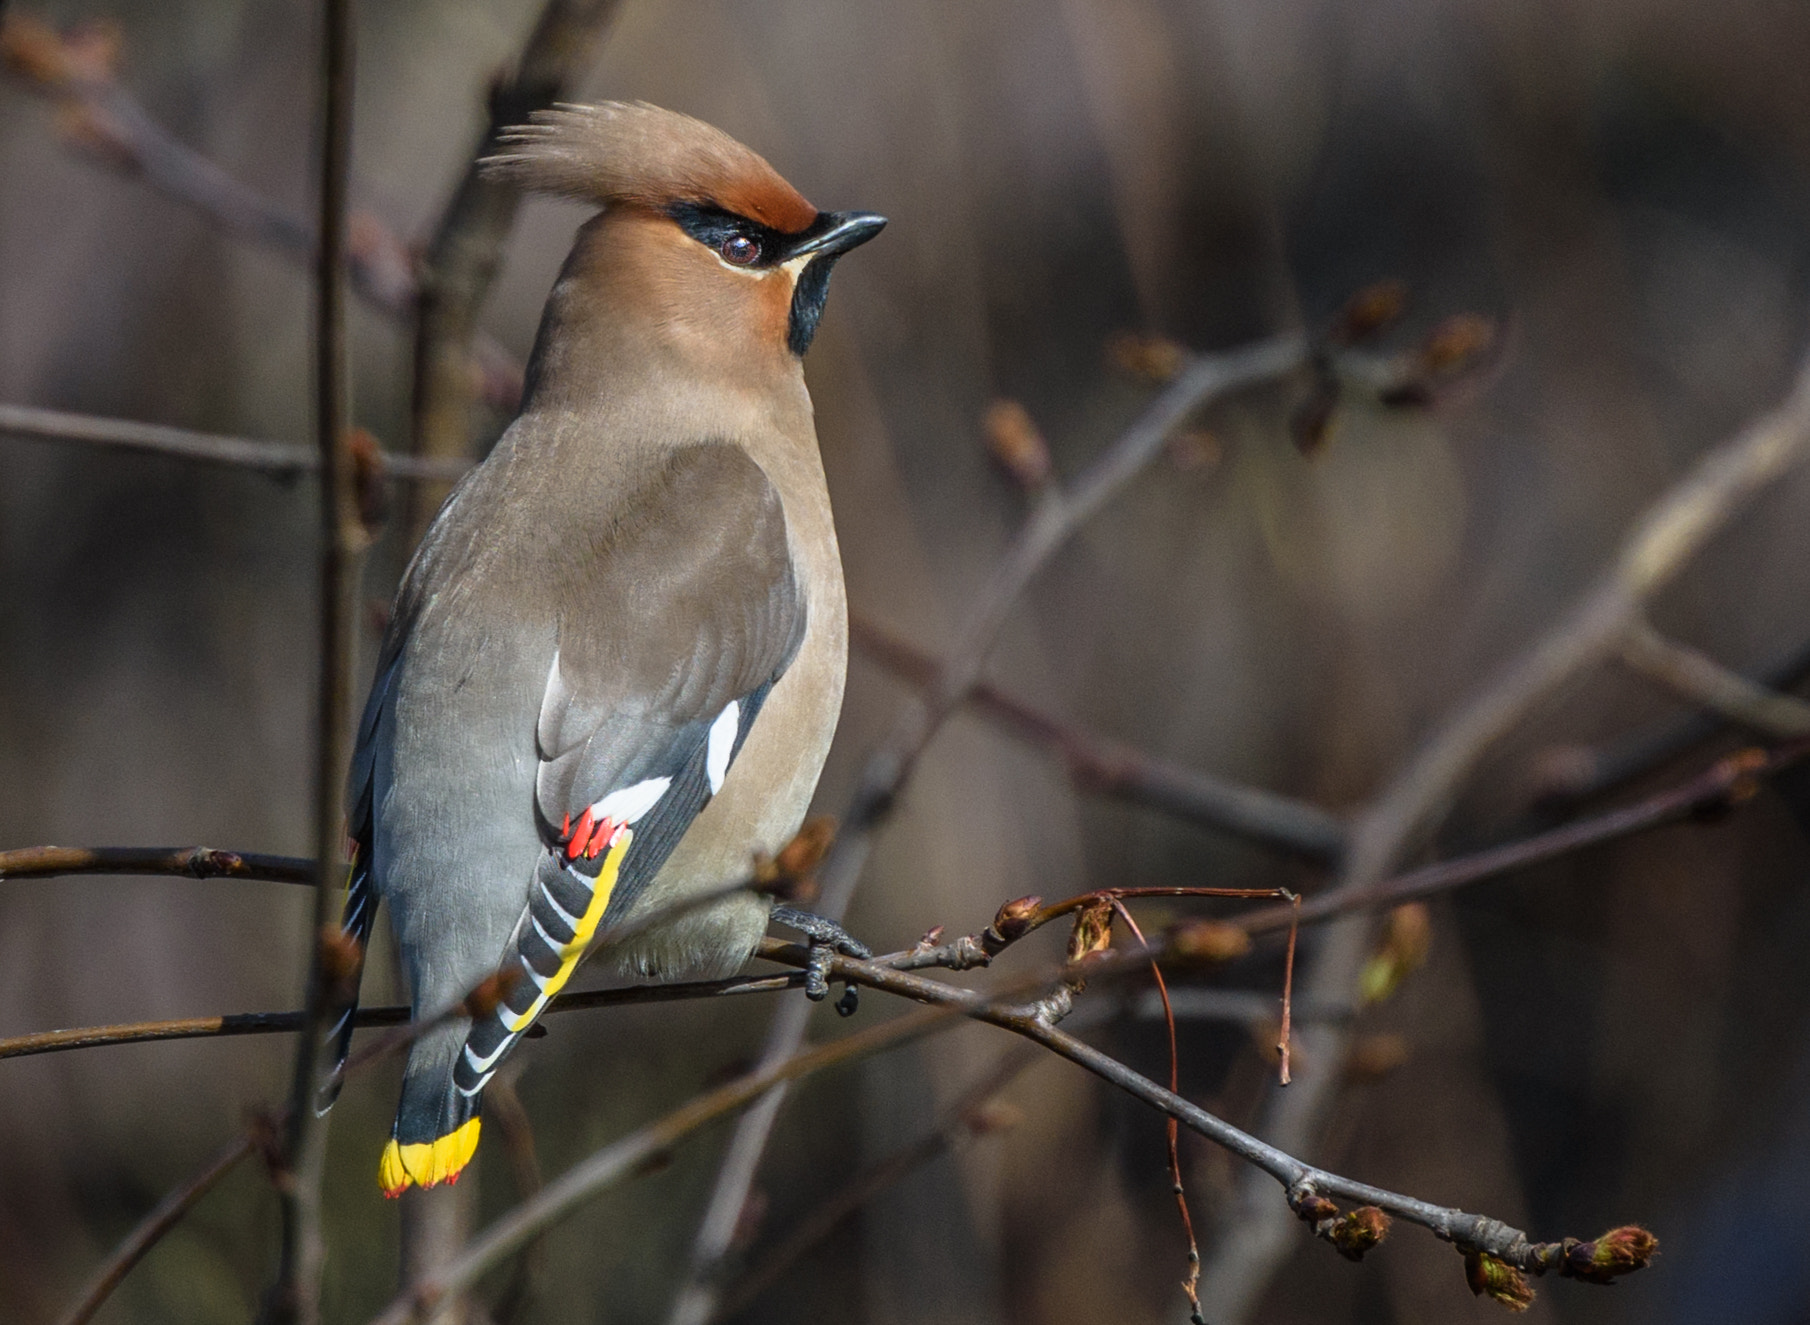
(630, 803)
(721, 744)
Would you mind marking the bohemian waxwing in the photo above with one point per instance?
(617, 658)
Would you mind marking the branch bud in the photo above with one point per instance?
(1404, 948)
(1011, 923)
(1619, 1251)
(369, 489)
(341, 958)
(1152, 359)
(483, 1000)
(1212, 942)
(790, 874)
(1358, 1232)
(1374, 1057)
(1093, 930)
(1498, 1279)
(1369, 312)
(1017, 445)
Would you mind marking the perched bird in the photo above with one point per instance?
(616, 661)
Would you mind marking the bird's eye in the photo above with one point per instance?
(739, 250)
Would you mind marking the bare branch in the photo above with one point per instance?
(622, 1159)
(296, 1294)
(1112, 769)
(283, 1023)
(164, 1216)
(102, 119)
(1699, 679)
(1725, 784)
(278, 459)
(461, 261)
(1665, 538)
(967, 1116)
(191, 862)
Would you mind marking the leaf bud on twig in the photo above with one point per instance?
(1358, 1232)
(1619, 1251)
(1017, 445)
(1213, 942)
(1152, 359)
(1403, 949)
(1498, 1279)
(1369, 312)
(492, 990)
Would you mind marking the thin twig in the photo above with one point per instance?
(284, 1023)
(1593, 772)
(962, 1118)
(1110, 768)
(164, 1216)
(278, 459)
(1667, 536)
(1699, 679)
(1191, 1284)
(516, 1132)
(1051, 524)
(461, 261)
(1723, 785)
(295, 1298)
(109, 125)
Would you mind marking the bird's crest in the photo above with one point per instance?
(628, 152)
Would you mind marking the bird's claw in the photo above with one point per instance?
(826, 939)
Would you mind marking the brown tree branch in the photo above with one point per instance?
(190, 862)
(284, 1023)
(1666, 537)
(295, 1298)
(278, 459)
(1302, 1183)
(1105, 766)
(1698, 679)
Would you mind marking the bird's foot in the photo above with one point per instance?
(827, 938)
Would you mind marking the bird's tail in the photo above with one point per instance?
(436, 1131)
(355, 924)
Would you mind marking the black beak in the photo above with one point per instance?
(835, 233)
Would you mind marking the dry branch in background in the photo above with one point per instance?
(1702, 681)
(279, 459)
(1113, 769)
(1673, 529)
(78, 72)
(295, 1298)
(461, 260)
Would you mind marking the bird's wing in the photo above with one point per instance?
(679, 618)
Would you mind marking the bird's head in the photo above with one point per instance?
(700, 241)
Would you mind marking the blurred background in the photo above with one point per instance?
(1623, 187)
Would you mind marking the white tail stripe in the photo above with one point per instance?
(482, 1066)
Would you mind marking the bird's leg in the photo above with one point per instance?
(826, 939)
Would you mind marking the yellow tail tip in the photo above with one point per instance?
(427, 1163)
